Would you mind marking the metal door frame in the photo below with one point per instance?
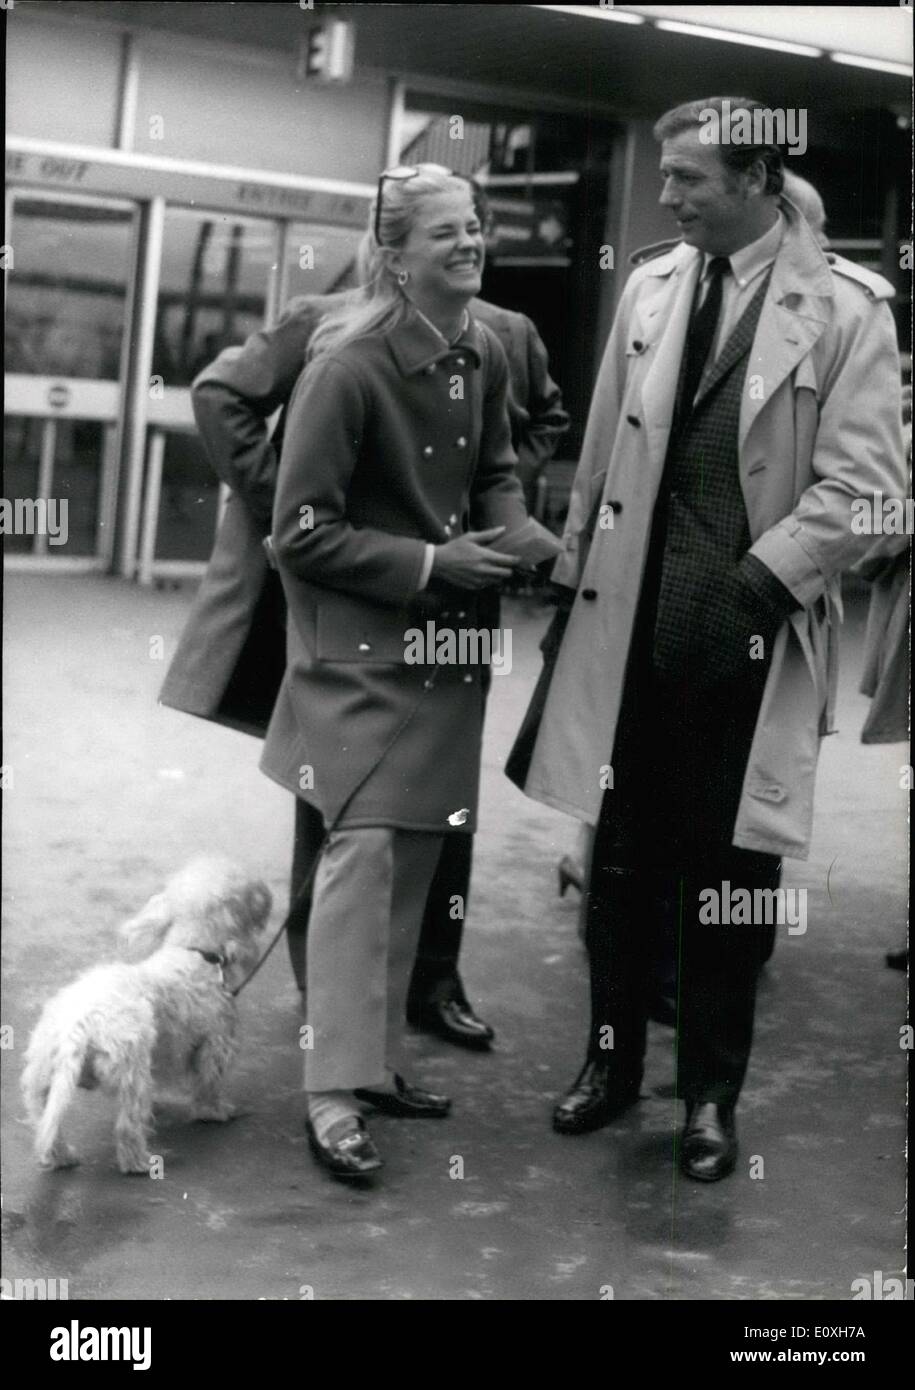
(173, 414)
(30, 395)
(148, 183)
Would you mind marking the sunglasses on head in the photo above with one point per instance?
(402, 172)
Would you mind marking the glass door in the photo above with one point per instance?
(215, 282)
(222, 277)
(68, 301)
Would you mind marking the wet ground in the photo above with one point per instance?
(111, 793)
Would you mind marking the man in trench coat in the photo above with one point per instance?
(749, 392)
(231, 657)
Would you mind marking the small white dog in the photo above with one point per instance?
(169, 1012)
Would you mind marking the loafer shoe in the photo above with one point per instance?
(454, 1020)
(347, 1150)
(409, 1102)
(708, 1148)
(593, 1100)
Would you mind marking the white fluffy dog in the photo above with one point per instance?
(169, 1012)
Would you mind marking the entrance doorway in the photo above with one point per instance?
(547, 176)
(68, 304)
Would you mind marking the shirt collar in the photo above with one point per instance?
(417, 344)
(751, 260)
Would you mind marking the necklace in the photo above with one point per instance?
(465, 324)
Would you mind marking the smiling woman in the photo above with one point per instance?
(433, 262)
(396, 480)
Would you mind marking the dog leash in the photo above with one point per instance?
(428, 684)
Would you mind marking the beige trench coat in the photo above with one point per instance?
(820, 424)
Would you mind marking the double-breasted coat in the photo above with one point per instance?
(393, 442)
(820, 424)
(232, 653)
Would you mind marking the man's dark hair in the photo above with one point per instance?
(736, 157)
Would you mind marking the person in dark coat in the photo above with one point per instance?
(396, 482)
(231, 656)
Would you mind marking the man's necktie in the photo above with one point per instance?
(701, 335)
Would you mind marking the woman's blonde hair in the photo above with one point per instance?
(381, 303)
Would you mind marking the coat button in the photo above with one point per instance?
(452, 520)
(365, 646)
(430, 369)
(461, 442)
(460, 361)
(427, 452)
(589, 593)
(615, 507)
(427, 685)
(634, 420)
(468, 680)
(637, 346)
(447, 530)
(462, 614)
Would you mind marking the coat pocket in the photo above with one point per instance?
(353, 629)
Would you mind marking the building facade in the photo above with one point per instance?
(176, 173)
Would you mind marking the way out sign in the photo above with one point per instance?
(326, 52)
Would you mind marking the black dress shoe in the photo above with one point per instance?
(708, 1148)
(593, 1100)
(351, 1154)
(410, 1102)
(453, 1019)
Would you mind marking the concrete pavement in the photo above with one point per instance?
(111, 793)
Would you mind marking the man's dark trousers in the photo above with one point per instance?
(682, 744)
(645, 886)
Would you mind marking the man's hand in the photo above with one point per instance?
(468, 563)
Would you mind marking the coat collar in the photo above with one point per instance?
(416, 346)
(799, 305)
(800, 262)
(797, 309)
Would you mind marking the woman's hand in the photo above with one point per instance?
(468, 563)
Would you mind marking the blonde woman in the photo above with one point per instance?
(396, 483)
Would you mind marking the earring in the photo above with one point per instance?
(402, 277)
